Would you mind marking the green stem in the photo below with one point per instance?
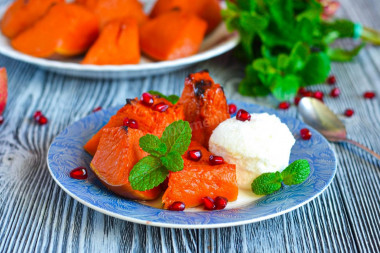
(370, 35)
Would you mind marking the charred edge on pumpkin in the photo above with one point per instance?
(201, 86)
(129, 101)
(125, 128)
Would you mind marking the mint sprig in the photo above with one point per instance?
(165, 155)
(267, 183)
(171, 98)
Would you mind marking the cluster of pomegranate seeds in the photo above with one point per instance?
(97, 109)
(331, 80)
(177, 206)
(208, 203)
(284, 105)
(130, 123)
(348, 112)
(79, 173)
(243, 115)
(335, 92)
(194, 155)
(369, 94)
(147, 99)
(1, 119)
(305, 134)
(40, 118)
(232, 108)
(216, 160)
(160, 107)
(214, 204)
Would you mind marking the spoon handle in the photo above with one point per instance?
(363, 147)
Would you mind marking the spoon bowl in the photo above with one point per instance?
(319, 116)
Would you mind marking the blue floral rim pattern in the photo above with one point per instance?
(66, 152)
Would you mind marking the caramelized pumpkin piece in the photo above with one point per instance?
(147, 119)
(208, 10)
(204, 105)
(66, 29)
(21, 14)
(199, 179)
(172, 35)
(118, 152)
(117, 44)
(107, 10)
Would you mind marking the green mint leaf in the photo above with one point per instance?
(153, 145)
(317, 68)
(267, 183)
(173, 161)
(338, 54)
(177, 136)
(285, 87)
(171, 98)
(296, 173)
(147, 174)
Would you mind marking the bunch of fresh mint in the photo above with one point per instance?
(267, 183)
(287, 44)
(165, 155)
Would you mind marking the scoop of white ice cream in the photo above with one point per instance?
(257, 146)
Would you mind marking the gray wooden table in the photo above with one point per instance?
(36, 215)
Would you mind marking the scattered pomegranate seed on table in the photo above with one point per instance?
(177, 206)
(194, 155)
(37, 115)
(305, 134)
(232, 108)
(297, 100)
(308, 94)
(160, 107)
(318, 95)
(79, 173)
(42, 120)
(97, 109)
(208, 203)
(1, 119)
(216, 160)
(133, 124)
(348, 112)
(243, 115)
(284, 105)
(220, 202)
(147, 99)
(369, 94)
(301, 91)
(331, 80)
(335, 92)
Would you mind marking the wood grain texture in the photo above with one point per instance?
(37, 216)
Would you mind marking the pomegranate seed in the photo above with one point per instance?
(177, 206)
(208, 203)
(79, 173)
(37, 115)
(1, 119)
(126, 122)
(335, 92)
(318, 95)
(308, 94)
(42, 120)
(216, 160)
(243, 115)
(331, 80)
(194, 155)
(305, 134)
(147, 99)
(297, 100)
(133, 124)
(160, 107)
(232, 108)
(284, 105)
(369, 94)
(97, 109)
(349, 112)
(220, 202)
(301, 91)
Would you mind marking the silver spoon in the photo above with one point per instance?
(319, 116)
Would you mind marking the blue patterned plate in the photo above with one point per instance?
(66, 153)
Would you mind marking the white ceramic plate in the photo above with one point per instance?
(216, 43)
